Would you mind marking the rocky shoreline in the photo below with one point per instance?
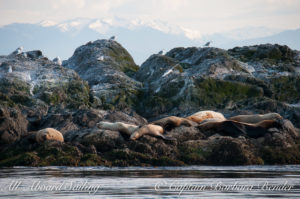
(101, 82)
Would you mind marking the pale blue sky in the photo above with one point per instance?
(199, 15)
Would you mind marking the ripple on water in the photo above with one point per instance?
(141, 182)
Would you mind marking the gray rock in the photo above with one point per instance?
(13, 125)
(109, 77)
(187, 80)
(36, 78)
(35, 54)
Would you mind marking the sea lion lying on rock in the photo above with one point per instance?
(252, 119)
(170, 122)
(48, 134)
(134, 131)
(212, 120)
(118, 126)
(150, 129)
(204, 115)
(234, 129)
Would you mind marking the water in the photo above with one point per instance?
(151, 182)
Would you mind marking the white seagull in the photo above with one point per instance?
(18, 51)
(57, 60)
(101, 58)
(10, 69)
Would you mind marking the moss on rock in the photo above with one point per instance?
(193, 155)
(278, 155)
(212, 92)
(73, 94)
(286, 88)
(21, 159)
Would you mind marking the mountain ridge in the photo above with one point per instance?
(140, 38)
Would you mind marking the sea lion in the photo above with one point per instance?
(48, 134)
(234, 129)
(212, 120)
(252, 119)
(118, 126)
(170, 122)
(150, 129)
(203, 115)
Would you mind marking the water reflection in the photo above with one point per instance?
(150, 182)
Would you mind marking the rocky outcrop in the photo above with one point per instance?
(93, 146)
(36, 80)
(107, 66)
(101, 82)
(189, 79)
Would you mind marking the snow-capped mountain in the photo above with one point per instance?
(140, 37)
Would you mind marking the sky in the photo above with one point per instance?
(196, 15)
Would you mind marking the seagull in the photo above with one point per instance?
(18, 51)
(57, 60)
(101, 58)
(113, 38)
(208, 43)
(162, 52)
(10, 69)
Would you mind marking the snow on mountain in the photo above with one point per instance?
(140, 37)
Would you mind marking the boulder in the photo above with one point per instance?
(34, 80)
(107, 67)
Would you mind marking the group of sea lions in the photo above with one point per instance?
(253, 126)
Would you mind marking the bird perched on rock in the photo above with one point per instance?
(9, 69)
(101, 58)
(162, 52)
(208, 43)
(113, 38)
(57, 60)
(18, 51)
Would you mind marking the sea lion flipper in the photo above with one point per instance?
(232, 128)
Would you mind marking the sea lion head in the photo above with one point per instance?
(135, 135)
(277, 117)
(100, 125)
(266, 124)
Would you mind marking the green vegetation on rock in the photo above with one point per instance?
(73, 93)
(212, 92)
(286, 88)
(273, 155)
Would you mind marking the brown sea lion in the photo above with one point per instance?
(235, 129)
(204, 115)
(256, 118)
(118, 126)
(170, 122)
(48, 134)
(150, 129)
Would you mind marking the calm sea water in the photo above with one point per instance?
(151, 182)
